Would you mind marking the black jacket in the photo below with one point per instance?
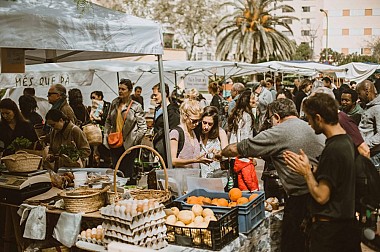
(173, 114)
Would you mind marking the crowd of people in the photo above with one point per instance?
(309, 135)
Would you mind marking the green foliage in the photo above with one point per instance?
(20, 143)
(71, 151)
(337, 58)
(251, 33)
(303, 52)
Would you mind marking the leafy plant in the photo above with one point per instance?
(71, 151)
(20, 143)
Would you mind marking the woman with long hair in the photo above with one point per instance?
(241, 124)
(125, 116)
(212, 138)
(65, 133)
(185, 148)
(13, 125)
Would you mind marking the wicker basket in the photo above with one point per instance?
(84, 200)
(160, 195)
(93, 134)
(22, 161)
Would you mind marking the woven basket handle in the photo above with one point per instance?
(138, 147)
(24, 155)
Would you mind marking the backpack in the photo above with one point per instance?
(367, 185)
(159, 142)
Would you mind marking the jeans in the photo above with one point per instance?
(293, 238)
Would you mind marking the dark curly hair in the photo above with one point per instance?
(27, 104)
(242, 105)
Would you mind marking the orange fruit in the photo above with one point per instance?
(234, 194)
(232, 204)
(222, 202)
(192, 200)
(207, 200)
(242, 201)
(214, 201)
(200, 200)
(253, 196)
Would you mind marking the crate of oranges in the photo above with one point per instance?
(250, 205)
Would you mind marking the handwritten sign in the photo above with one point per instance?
(199, 82)
(41, 79)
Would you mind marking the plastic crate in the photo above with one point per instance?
(217, 235)
(250, 214)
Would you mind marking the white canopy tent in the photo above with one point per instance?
(357, 71)
(57, 31)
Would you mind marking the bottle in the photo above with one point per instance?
(230, 183)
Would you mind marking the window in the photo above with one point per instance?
(305, 32)
(345, 51)
(209, 56)
(345, 32)
(306, 9)
(346, 13)
(288, 21)
(199, 56)
(368, 12)
(366, 51)
(367, 31)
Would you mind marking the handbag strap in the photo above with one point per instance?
(129, 106)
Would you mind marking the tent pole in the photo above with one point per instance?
(175, 79)
(165, 112)
(118, 77)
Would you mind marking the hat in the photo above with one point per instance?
(254, 86)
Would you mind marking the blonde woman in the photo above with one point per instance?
(185, 146)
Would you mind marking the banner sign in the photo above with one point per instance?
(199, 82)
(42, 79)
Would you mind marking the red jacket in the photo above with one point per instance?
(247, 178)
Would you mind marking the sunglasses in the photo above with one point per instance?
(93, 97)
(208, 123)
(52, 93)
(194, 121)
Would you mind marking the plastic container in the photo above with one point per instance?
(80, 175)
(250, 214)
(79, 182)
(217, 235)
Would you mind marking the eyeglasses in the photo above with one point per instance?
(269, 119)
(208, 123)
(52, 93)
(194, 121)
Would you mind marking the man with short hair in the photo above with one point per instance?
(57, 97)
(137, 96)
(158, 126)
(350, 106)
(332, 183)
(328, 84)
(288, 133)
(271, 89)
(236, 90)
(370, 121)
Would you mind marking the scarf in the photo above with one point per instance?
(58, 104)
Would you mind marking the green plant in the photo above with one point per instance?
(71, 151)
(19, 143)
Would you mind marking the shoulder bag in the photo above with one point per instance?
(115, 139)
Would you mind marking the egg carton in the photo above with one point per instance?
(137, 220)
(150, 243)
(119, 209)
(138, 238)
(125, 229)
(148, 232)
(91, 240)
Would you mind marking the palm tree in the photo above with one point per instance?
(250, 32)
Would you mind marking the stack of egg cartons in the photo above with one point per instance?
(137, 222)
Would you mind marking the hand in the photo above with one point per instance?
(217, 154)
(50, 158)
(297, 162)
(203, 160)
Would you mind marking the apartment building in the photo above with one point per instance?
(349, 27)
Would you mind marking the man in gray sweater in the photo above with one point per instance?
(288, 133)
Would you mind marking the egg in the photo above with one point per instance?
(88, 233)
(122, 209)
(139, 209)
(117, 208)
(145, 208)
(99, 234)
(128, 209)
(99, 227)
(83, 234)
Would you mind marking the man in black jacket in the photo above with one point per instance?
(158, 128)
